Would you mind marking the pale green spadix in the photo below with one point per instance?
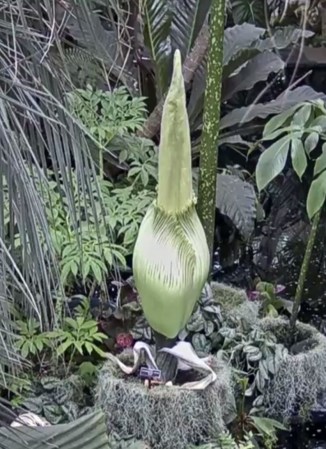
(171, 257)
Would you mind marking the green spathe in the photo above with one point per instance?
(171, 257)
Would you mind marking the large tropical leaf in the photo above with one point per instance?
(262, 110)
(188, 19)
(236, 51)
(88, 432)
(158, 15)
(236, 199)
(245, 41)
(283, 37)
(242, 43)
(258, 69)
(238, 38)
(250, 11)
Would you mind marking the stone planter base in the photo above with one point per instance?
(301, 375)
(166, 417)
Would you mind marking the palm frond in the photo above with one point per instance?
(188, 19)
(158, 15)
(37, 131)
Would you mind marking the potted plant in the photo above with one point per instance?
(300, 377)
(168, 396)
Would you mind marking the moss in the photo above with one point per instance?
(228, 297)
(164, 417)
(234, 303)
(300, 376)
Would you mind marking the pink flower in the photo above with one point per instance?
(124, 340)
(253, 295)
(279, 288)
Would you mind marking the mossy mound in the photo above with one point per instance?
(164, 417)
(234, 303)
(301, 375)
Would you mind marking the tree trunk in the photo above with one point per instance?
(211, 120)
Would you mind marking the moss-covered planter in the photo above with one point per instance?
(166, 417)
(234, 303)
(302, 373)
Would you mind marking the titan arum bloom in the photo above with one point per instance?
(171, 257)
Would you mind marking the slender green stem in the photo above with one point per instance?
(208, 153)
(101, 164)
(304, 271)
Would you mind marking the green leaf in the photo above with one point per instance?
(63, 347)
(236, 199)
(86, 269)
(201, 344)
(97, 271)
(298, 155)
(88, 432)
(89, 347)
(39, 344)
(99, 336)
(291, 98)
(267, 426)
(74, 268)
(316, 195)
(144, 177)
(99, 351)
(65, 271)
(188, 18)
(278, 132)
(257, 69)
(79, 347)
(319, 121)
(283, 37)
(25, 349)
(120, 258)
(89, 325)
(236, 40)
(320, 163)
(250, 11)
(301, 117)
(71, 322)
(311, 142)
(237, 50)
(158, 19)
(108, 255)
(272, 162)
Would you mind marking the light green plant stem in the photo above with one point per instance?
(101, 164)
(208, 153)
(304, 271)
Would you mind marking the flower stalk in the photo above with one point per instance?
(171, 257)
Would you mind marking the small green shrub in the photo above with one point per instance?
(202, 327)
(30, 341)
(58, 400)
(101, 231)
(253, 352)
(271, 302)
(79, 335)
(107, 114)
(96, 246)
